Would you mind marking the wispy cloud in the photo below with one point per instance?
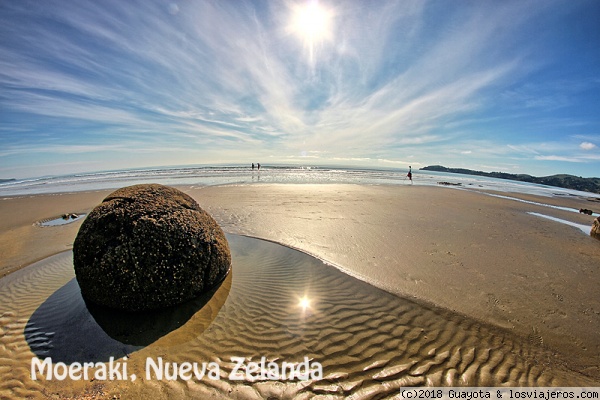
(559, 158)
(393, 81)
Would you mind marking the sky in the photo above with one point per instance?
(510, 86)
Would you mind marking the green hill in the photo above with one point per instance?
(591, 185)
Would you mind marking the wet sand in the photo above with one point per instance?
(468, 252)
(482, 293)
(23, 241)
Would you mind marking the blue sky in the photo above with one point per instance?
(506, 85)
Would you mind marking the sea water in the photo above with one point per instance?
(278, 174)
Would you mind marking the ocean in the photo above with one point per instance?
(278, 174)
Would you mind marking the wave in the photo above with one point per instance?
(274, 174)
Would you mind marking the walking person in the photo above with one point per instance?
(409, 175)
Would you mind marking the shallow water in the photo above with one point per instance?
(277, 174)
(583, 228)
(60, 220)
(277, 303)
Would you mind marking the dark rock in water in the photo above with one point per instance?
(449, 184)
(148, 247)
(585, 211)
(595, 232)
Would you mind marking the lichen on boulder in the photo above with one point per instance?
(148, 247)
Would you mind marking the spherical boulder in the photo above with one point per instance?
(595, 232)
(148, 247)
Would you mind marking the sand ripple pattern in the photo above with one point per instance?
(20, 294)
(369, 342)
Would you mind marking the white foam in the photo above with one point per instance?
(279, 174)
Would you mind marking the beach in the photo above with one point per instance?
(476, 269)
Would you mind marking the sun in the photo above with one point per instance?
(312, 23)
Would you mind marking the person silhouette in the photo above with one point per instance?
(409, 175)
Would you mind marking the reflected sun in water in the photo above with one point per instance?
(304, 303)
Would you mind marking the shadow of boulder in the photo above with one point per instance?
(67, 329)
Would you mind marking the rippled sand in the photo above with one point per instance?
(368, 341)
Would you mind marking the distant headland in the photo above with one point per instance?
(6, 180)
(591, 185)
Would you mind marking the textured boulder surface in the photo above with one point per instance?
(595, 232)
(148, 247)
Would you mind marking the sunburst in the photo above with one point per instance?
(304, 303)
(313, 24)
